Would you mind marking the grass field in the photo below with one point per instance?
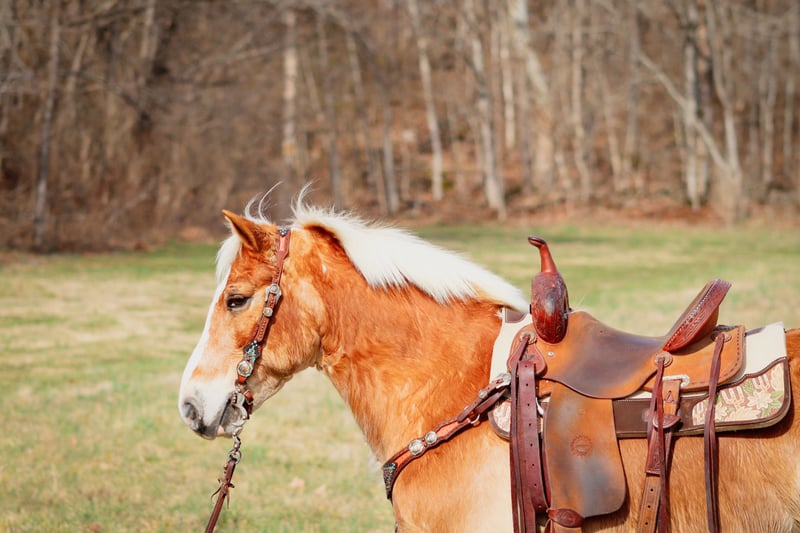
(92, 348)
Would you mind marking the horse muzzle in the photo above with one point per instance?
(222, 422)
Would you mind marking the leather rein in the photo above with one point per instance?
(242, 398)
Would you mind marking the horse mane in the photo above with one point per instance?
(389, 257)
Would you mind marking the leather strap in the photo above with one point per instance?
(710, 452)
(654, 507)
(528, 494)
(225, 486)
(470, 416)
(252, 350)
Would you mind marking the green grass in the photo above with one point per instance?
(92, 348)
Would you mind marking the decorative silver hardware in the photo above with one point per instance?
(244, 368)
(684, 379)
(665, 356)
(274, 289)
(431, 437)
(416, 447)
(483, 393)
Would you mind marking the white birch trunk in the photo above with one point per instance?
(437, 180)
(689, 145)
(289, 144)
(491, 179)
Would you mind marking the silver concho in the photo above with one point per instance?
(431, 437)
(244, 368)
(416, 447)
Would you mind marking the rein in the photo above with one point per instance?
(242, 398)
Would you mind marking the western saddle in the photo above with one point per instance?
(574, 386)
(576, 383)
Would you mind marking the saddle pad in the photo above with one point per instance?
(512, 322)
(583, 461)
(759, 395)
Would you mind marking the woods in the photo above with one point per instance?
(125, 120)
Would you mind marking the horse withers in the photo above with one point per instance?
(380, 312)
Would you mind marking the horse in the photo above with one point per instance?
(404, 330)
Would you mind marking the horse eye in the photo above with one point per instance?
(236, 301)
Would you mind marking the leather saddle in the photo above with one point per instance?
(582, 375)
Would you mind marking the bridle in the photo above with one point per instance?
(242, 398)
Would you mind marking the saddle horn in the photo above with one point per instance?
(549, 298)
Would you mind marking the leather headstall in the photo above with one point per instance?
(242, 397)
(252, 350)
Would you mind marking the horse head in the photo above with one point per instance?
(246, 268)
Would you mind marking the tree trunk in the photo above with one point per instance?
(629, 174)
(719, 36)
(766, 103)
(437, 180)
(373, 180)
(506, 80)
(392, 194)
(544, 164)
(40, 212)
(517, 21)
(576, 97)
(491, 178)
(289, 145)
(691, 89)
(334, 166)
(793, 26)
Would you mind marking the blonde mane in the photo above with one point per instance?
(389, 257)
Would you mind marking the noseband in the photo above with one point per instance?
(242, 398)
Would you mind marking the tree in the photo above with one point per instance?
(437, 179)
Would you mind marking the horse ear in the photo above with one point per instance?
(251, 234)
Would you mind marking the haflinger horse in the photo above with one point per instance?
(405, 331)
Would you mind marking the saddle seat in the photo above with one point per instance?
(599, 361)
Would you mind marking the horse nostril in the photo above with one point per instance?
(192, 414)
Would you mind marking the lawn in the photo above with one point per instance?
(92, 348)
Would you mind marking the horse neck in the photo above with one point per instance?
(402, 362)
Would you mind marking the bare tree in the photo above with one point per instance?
(43, 174)
(334, 167)
(629, 174)
(767, 91)
(373, 178)
(290, 76)
(793, 31)
(437, 179)
(544, 164)
(493, 185)
(576, 100)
